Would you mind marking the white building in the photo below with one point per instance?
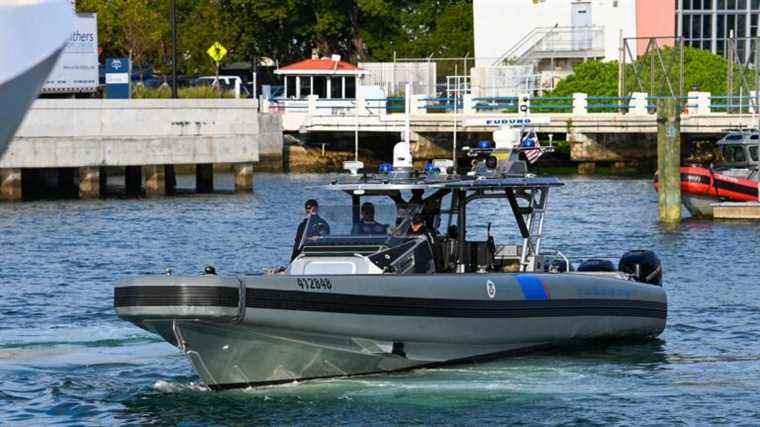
(504, 26)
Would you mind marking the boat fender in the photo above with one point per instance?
(595, 264)
(644, 266)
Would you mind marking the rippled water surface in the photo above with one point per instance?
(66, 359)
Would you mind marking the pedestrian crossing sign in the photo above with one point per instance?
(217, 51)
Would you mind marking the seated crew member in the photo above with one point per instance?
(367, 223)
(419, 227)
(312, 226)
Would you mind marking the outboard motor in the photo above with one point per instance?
(642, 265)
(596, 264)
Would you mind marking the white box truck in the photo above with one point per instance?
(77, 69)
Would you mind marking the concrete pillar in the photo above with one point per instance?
(243, 177)
(361, 101)
(133, 180)
(89, 182)
(669, 159)
(468, 101)
(155, 180)
(170, 179)
(638, 104)
(311, 102)
(580, 103)
(586, 168)
(204, 178)
(698, 103)
(419, 104)
(10, 184)
(523, 104)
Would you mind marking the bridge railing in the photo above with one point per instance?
(637, 103)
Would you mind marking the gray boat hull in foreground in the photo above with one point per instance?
(269, 329)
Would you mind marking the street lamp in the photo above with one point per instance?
(174, 48)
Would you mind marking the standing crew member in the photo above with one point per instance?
(311, 227)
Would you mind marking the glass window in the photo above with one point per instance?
(336, 88)
(741, 4)
(685, 4)
(696, 26)
(720, 47)
(753, 25)
(721, 4)
(707, 4)
(731, 4)
(305, 86)
(730, 24)
(696, 4)
(741, 25)
(755, 4)
(686, 29)
(350, 87)
(291, 86)
(706, 26)
(320, 86)
(721, 33)
(753, 153)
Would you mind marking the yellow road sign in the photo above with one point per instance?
(217, 51)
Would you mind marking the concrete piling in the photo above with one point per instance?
(10, 184)
(669, 159)
(204, 178)
(89, 182)
(243, 177)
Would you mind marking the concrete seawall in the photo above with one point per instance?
(147, 134)
(77, 133)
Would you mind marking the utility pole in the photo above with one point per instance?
(174, 48)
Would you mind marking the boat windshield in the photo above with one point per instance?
(733, 153)
(377, 216)
(753, 153)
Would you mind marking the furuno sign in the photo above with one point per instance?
(507, 121)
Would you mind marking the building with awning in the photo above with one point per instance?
(327, 78)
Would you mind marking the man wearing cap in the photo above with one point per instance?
(367, 223)
(311, 227)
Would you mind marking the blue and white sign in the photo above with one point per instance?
(117, 78)
(506, 121)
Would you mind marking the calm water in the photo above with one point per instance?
(66, 359)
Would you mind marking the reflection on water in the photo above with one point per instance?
(65, 358)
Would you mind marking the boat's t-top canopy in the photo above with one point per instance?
(419, 195)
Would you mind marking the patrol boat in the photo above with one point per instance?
(362, 304)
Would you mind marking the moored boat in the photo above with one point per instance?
(735, 179)
(365, 297)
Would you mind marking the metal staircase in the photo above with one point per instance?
(557, 43)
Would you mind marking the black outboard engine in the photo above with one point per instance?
(644, 266)
(596, 264)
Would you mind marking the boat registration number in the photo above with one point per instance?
(314, 283)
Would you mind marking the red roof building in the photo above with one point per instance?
(328, 78)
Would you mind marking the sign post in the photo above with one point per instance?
(118, 78)
(217, 52)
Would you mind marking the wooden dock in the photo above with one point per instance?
(736, 210)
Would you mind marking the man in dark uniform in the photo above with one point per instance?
(367, 223)
(311, 227)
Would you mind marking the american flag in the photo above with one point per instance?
(532, 149)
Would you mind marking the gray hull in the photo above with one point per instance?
(699, 206)
(270, 329)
